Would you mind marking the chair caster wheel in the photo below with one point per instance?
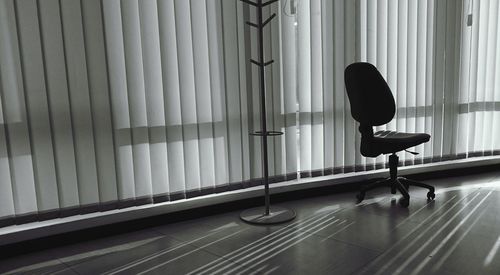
(360, 197)
(431, 195)
(404, 202)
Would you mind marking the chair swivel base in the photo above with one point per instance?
(402, 184)
(397, 183)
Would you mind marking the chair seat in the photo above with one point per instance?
(387, 142)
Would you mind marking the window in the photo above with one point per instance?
(110, 104)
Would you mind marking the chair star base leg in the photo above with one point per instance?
(396, 183)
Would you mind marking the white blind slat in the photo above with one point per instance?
(58, 97)
(187, 93)
(79, 94)
(233, 107)
(37, 106)
(217, 87)
(153, 85)
(171, 92)
(97, 69)
(288, 68)
(119, 99)
(203, 93)
(6, 194)
(14, 113)
(137, 98)
(341, 44)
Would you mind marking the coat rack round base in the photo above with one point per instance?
(276, 215)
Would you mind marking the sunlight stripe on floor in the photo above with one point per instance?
(437, 216)
(245, 249)
(448, 236)
(190, 252)
(421, 248)
(269, 247)
(492, 253)
(279, 251)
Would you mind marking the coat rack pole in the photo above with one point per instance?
(263, 120)
(268, 214)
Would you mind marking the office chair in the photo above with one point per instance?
(372, 104)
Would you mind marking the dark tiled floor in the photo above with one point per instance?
(459, 233)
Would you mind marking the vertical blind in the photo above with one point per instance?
(441, 71)
(116, 103)
(109, 104)
(479, 95)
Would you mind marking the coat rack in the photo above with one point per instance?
(266, 214)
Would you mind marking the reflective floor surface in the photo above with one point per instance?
(458, 233)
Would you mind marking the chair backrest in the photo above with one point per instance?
(371, 99)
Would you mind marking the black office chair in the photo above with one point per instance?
(372, 104)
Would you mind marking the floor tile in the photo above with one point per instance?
(175, 260)
(136, 255)
(34, 263)
(85, 251)
(191, 229)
